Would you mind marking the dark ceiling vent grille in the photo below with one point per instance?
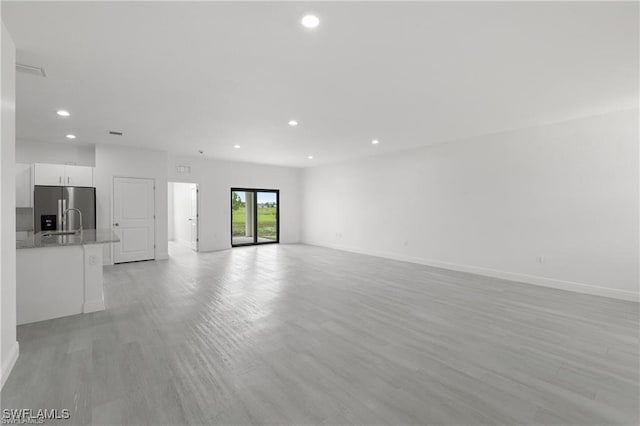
(114, 133)
(30, 69)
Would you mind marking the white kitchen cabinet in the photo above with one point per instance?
(78, 176)
(48, 174)
(24, 186)
(62, 175)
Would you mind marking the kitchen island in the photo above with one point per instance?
(60, 275)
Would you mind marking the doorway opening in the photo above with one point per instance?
(183, 216)
(255, 217)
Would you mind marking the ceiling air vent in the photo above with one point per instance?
(115, 133)
(30, 69)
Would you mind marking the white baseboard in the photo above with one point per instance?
(93, 306)
(511, 276)
(213, 249)
(162, 256)
(8, 364)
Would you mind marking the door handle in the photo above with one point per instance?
(59, 217)
(68, 180)
(60, 180)
(65, 223)
(116, 224)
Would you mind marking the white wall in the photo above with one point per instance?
(217, 177)
(493, 204)
(8, 343)
(171, 227)
(56, 153)
(180, 212)
(120, 161)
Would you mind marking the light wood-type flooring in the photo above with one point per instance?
(294, 334)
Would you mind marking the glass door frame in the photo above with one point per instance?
(255, 215)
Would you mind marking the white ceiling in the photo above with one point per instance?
(188, 76)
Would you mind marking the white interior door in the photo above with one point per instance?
(133, 219)
(193, 218)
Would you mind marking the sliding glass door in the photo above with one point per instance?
(242, 214)
(254, 216)
(267, 217)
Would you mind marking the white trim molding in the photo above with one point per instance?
(572, 286)
(8, 364)
(93, 306)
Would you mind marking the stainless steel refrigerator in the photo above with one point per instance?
(50, 202)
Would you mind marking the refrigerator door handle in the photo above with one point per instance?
(64, 209)
(59, 217)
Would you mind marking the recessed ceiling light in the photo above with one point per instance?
(375, 142)
(236, 146)
(70, 136)
(293, 123)
(310, 157)
(63, 113)
(310, 21)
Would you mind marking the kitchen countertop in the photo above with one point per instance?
(88, 236)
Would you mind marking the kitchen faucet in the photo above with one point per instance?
(64, 217)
